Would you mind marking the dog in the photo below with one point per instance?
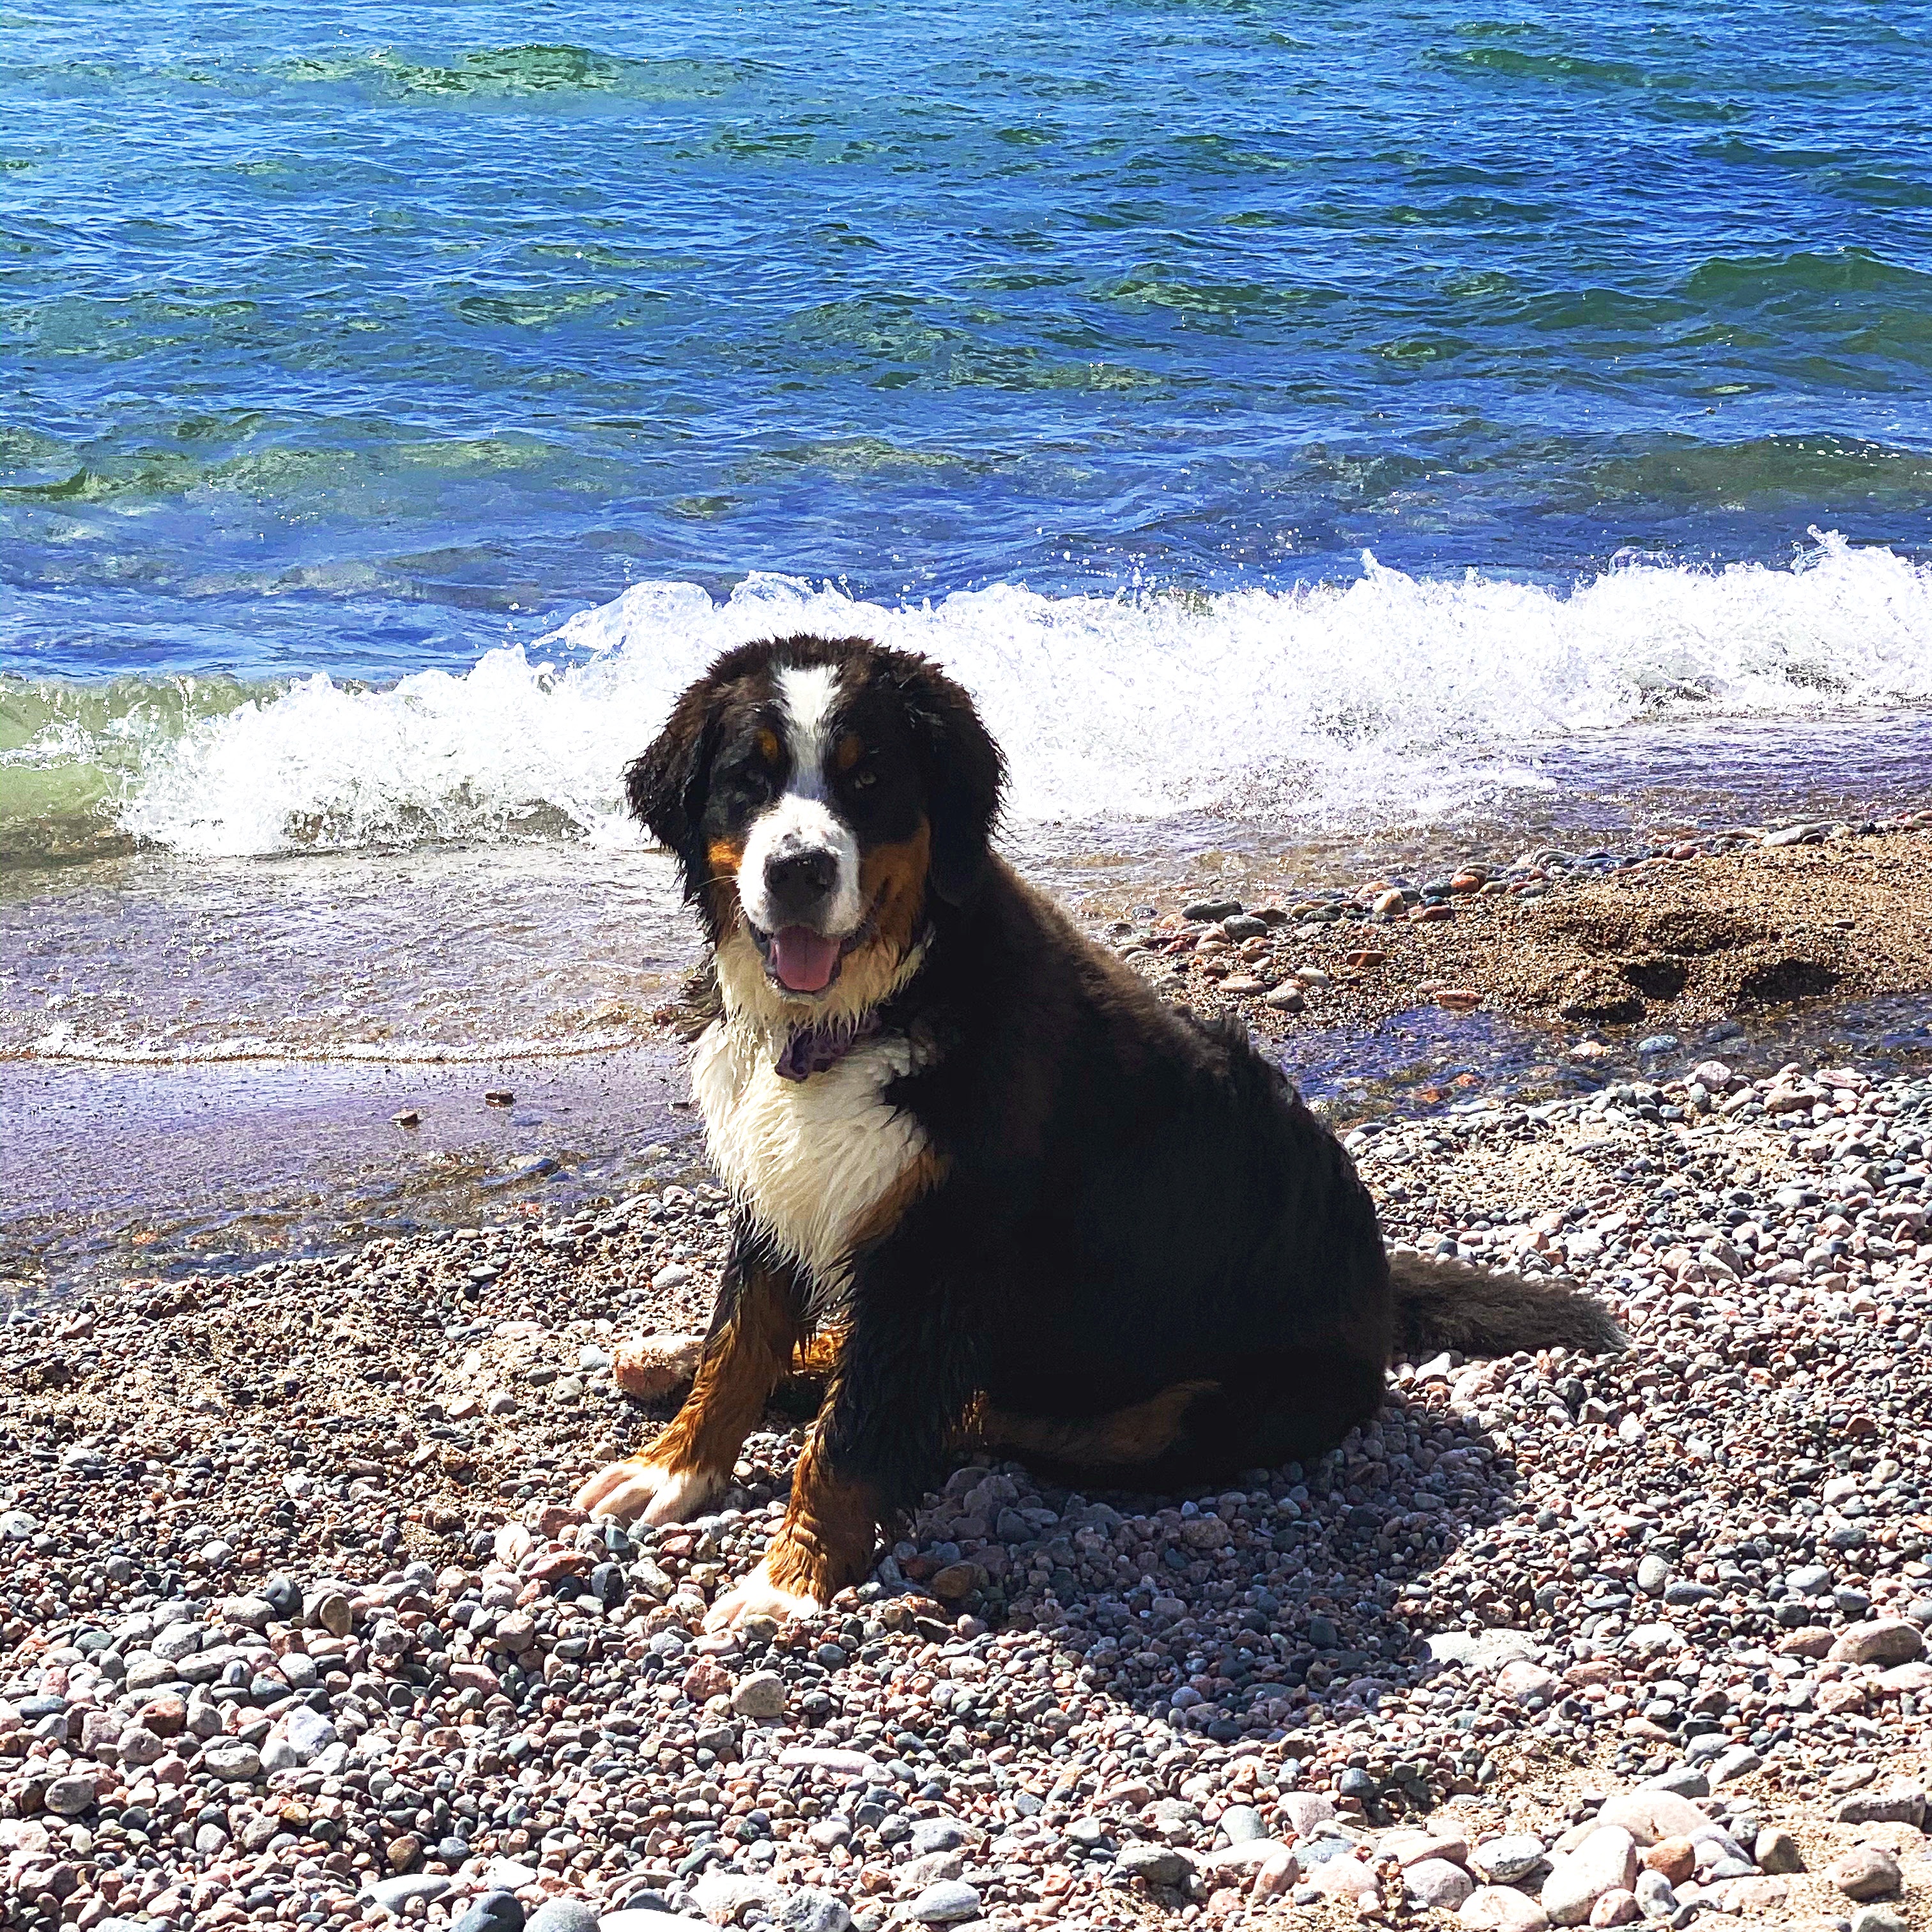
(1003, 1194)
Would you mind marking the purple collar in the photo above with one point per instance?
(819, 1048)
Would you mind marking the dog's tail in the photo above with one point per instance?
(1448, 1305)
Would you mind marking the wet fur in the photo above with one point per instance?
(1050, 1213)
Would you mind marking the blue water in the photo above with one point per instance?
(398, 405)
(364, 338)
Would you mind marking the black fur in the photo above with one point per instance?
(1130, 1199)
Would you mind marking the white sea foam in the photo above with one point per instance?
(1389, 697)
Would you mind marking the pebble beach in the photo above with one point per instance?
(298, 1626)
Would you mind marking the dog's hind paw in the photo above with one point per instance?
(639, 1487)
(758, 1596)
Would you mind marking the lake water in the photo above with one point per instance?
(1318, 441)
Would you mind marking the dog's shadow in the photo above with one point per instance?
(1273, 1610)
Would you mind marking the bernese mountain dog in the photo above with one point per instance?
(1002, 1195)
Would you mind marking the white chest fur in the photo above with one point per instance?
(811, 1158)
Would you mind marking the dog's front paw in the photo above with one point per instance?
(639, 1487)
(758, 1596)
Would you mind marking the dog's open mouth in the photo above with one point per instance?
(803, 960)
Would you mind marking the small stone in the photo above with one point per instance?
(1686, 1779)
(1287, 997)
(1878, 1919)
(1615, 1908)
(1503, 1860)
(231, 1760)
(1812, 1640)
(308, 1732)
(1887, 1640)
(761, 1696)
(1242, 1823)
(1246, 1856)
(1151, 1864)
(954, 1581)
(657, 1365)
(1676, 1858)
(563, 1914)
(391, 1894)
(1275, 1873)
(948, 1903)
(1342, 1877)
(1899, 1805)
(1408, 1848)
(1750, 1892)
(330, 1610)
(723, 1896)
(1301, 1811)
(1776, 1851)
(1605, 1861)
(69, 1796)
(1652, 1574)
(1865, 1871)
(1522, 1680)
(1656, 1897)
(1740, 1761)
(806, 1909)
(166, 1716)
(1437, 1883)
(935, 1834)
(1650, 1815)
(1502, 1908)
(495, 1911)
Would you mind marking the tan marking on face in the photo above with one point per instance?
(766, 745)
(829, 1530)
(850, 749)
(725, 856)
(892, 880)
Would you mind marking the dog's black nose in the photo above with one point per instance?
(797, 882)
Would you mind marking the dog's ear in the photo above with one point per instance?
(965, 774)
(665, 786)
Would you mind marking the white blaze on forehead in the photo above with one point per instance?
(804, 820)
(808, 698)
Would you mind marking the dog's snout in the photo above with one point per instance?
(798, 880)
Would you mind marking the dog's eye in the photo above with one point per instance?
(864, 779)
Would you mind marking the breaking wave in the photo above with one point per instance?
(1388, 698)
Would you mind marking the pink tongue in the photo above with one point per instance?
(804, 958)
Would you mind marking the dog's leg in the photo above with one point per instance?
(754, 1330)
(903, 1382)
(825, 1543)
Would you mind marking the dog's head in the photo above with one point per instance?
(821, 795)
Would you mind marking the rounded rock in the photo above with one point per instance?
(1865, 1872)
(1436, 1883)
(1502, 1908)
(494, 1911)
(563, 1914)
(950, 1902)
(761, 1696)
